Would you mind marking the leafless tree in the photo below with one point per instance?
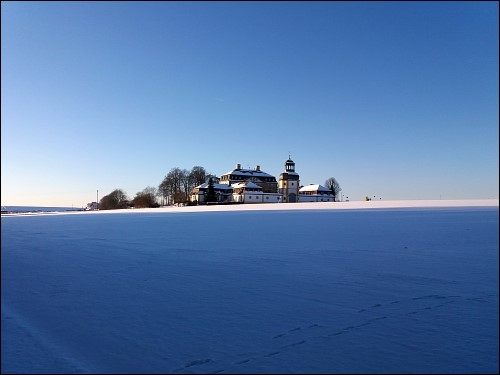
(186, 184)
(175, 182)
(114, 200)
(177, 185)
(197, 176)
(164, 190)
(146, 198)
(332, 184)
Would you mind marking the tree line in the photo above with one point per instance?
(175, 187)
(178, 184)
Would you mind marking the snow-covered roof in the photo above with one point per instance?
(246, 184)
(248, 173)
(216, 186)
(314, 187)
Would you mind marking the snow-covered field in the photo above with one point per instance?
(383, 288)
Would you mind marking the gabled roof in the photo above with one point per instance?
(246, 184)
(247, 173)
(314, 187)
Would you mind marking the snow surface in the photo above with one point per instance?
(301, 206)
(250, 289)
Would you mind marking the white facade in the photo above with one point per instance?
(249, 192)
(315, 193)
(289, 182)
(257, 197)
(91, 206)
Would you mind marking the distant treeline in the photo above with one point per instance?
(175, 188)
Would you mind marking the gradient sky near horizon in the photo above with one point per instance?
(397, 100)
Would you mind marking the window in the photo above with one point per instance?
(267, 197)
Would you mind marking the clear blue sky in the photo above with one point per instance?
(396, 100)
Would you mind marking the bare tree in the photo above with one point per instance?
(176, 176)
(114, 200)
(172, 184)
(186, 184)
(146, 198)
(164, 190)
(332, 184)
(197, 176)
(177, 185)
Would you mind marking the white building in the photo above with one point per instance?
(315, 193)
(91, 206)
(249, 192)
(222, 191)
(256, 186)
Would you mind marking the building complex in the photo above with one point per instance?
(256, 186)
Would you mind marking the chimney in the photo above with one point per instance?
(257, 168)
(238, 166)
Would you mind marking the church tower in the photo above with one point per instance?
(289, 182)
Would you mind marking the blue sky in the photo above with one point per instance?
(397, 100)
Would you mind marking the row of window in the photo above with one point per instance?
(313, 193)
(267, 198)
(278, 198)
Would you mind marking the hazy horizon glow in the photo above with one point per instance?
(397, 100)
